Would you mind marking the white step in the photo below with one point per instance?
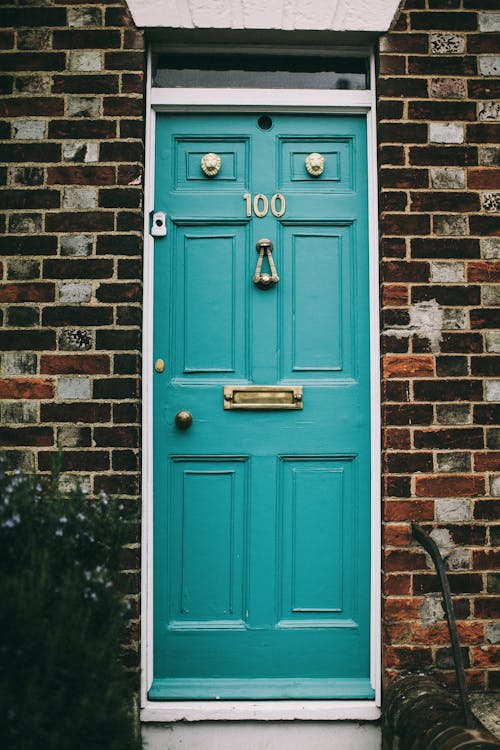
(263, 735)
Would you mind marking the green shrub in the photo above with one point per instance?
(62, 621)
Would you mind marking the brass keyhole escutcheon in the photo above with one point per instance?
(265, 280)
(183, 420)
(159, 365)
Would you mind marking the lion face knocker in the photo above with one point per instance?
(210, 164)
(315, 164)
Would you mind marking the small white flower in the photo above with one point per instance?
(59, 532)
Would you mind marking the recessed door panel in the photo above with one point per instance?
(207, 544)
(189, 153)
(209, 299)
(261, 495)
(339, 163)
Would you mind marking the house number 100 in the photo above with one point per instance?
(261, 204)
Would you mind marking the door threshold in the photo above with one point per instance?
(285, 710)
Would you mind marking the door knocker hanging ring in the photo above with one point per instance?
(265, 280)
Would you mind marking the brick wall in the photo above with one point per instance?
(439, 217)
(71, 101)
(71, 109)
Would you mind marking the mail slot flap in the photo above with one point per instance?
(263, 397)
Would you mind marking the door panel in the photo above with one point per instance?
(262, 518)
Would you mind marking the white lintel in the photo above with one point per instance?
(278, 15)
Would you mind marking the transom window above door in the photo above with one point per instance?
(207, 69)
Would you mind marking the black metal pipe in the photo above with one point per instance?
(431, 547)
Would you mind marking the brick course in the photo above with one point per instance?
(72, 123)
(438, 202)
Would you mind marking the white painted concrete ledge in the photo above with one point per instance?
(283, 15)
(260, 711)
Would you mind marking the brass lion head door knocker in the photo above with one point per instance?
(265, 280)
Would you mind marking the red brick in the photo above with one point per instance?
(32, 292)
(26, 388)
(488, 559)
(394, 295)
(487, 461)
(453, 437)
(410, 271)
(449, 486)
(75, 175)
(396, 632)
(408, 657)
(483, 271)
(483, 132)
(408, 510)
(405, 224)
(486, 608)
(482, 43)
(401, 609)
(444, 21)
(79, 460)
(486, 656)
(86, 39)
(452, 201)
(36, 436)
(404, 560)
(404, 178)
(470, 632)
(403, 461)
(431, 634)
(77, 364)
(396, 438)
(441, 110)
(483, 179)
(80, 221)
(408, 366)
(398, 584)
(37, 61)
(87, 412)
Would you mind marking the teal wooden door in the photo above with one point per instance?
(262, 518)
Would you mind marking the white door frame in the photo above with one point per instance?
(274, 100)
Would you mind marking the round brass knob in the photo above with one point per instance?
(183, 420)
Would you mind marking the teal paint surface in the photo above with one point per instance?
(262, 519)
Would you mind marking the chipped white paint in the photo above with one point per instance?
(71, 389)
(426, 321)
(459, 559)
(489, 22)
(490, 248)
(287, 15)
(493, 341)
(454, 510)
(446, 132)
(431, 609)
(493, 632)
(443, 540)
(492, 390)
(447, 272)
(73, 293)
(81, 151)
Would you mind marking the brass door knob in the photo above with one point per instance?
(183, 420)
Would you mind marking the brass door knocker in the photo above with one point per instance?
(265, 280)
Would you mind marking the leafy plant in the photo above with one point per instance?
(62, 621)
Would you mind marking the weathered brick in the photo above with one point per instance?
(31, 388)
(88, 412)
